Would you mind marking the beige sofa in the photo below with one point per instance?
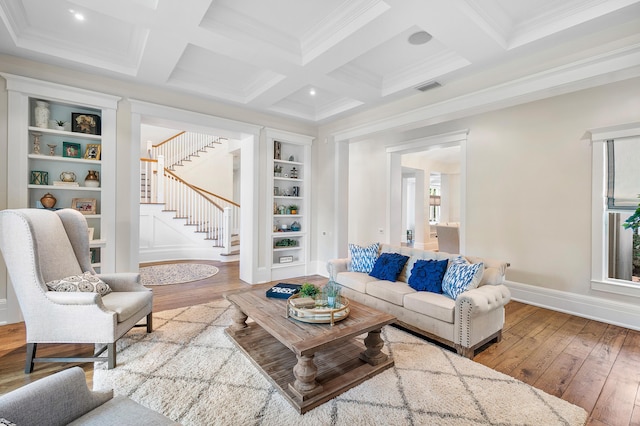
(476, 317)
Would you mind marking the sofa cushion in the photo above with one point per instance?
(461, 276)
(354, 280)
(363, 258)
(388, 266)
(392, 292)
(436, 306)
(127, 303)
(427, 275)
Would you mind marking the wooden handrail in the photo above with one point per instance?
(170, 139)
(148, 160)
(195, 188)
(216, 195)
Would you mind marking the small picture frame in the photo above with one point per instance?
(85, 123)
(91, 231)
(84, 205)
(71, 150)
(92, 152)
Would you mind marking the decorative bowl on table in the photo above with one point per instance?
(320, 312)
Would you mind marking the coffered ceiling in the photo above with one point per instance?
(269, 55)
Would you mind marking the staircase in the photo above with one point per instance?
(213, 219)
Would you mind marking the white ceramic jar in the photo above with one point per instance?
(41, 114)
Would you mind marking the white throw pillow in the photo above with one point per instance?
(86, 282)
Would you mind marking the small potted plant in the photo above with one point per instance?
(293, 208)
(277, 170)
(308, 290)
(60, 124)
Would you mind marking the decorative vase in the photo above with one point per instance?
(92, 179)
(48, 200)
(41, 114)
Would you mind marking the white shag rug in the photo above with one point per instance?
(189, 370)
(175, 273)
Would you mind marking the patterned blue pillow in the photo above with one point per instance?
(426, 275)
(388, 266)
(363, 258)
(461, 276)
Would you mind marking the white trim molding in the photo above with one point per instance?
(590, 307)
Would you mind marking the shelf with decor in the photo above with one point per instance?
(290, 173)
(64, 155)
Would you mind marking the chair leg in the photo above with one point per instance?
(31, 353)
(111, 354)
(150, 322)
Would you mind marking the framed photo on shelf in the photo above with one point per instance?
(71, 149)
(91, 230)
(84, 205)
(92, 152)
(85, 123)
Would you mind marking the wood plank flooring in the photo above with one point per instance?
(588, 363)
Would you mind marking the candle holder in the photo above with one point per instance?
(52, 148)
(36, 143)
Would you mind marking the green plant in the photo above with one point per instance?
(293, 207)
(308, 290)
(60, 122)
(633, 222)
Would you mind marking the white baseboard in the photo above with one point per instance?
(590, 307)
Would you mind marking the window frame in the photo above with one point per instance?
(600, 211)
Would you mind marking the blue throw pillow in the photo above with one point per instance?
(363, 258)
(461, 276)
(427, 275)
(388, 266)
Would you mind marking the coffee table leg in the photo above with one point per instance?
(374, 343)
(305, 372)
(239, 320)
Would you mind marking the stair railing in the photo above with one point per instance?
(216, 216)
(181, 147)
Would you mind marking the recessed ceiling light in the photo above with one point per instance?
(420, 37)
(79, 16)
(312, 91)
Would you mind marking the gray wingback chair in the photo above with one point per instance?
(64, 399)
(40, 246)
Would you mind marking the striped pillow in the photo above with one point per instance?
(363, 258)
(461, 276)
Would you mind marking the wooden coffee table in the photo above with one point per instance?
(308, 363)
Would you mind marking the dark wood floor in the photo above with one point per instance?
(588, 363)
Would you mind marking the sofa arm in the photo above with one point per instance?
(123, 281)
(479, 315)
(335, 266)
(56, 399)
(483, 299)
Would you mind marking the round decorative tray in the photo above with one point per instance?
(319, 314)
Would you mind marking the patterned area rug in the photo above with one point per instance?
(175, 273)
(189, 370)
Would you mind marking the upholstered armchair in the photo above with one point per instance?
(41, 247)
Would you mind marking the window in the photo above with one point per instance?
(616, 186)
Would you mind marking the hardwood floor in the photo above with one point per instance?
(588, 363)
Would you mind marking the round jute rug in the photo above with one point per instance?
(175, 273)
